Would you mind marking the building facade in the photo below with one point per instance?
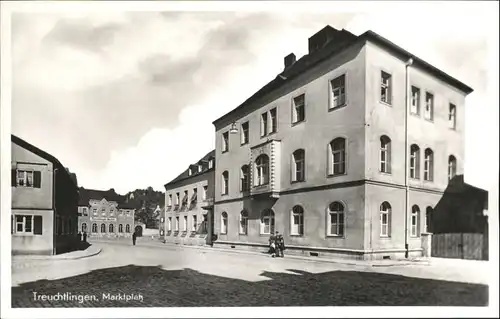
(104, 214)
(332, 155)
(44, 202)
(188, 217)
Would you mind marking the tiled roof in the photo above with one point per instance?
(341, 41)
(184, 175)
(110, 195)
(35, 150)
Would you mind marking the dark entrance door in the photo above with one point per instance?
(138, 231)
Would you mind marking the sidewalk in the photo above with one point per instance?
(92, 250)
(369, 263)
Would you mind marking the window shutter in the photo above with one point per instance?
(38, 225)
(14, 177)
(37, 179)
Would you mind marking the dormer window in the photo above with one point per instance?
(211, 163)
(200, 168)
(190, 172)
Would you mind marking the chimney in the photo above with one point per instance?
(290, 60)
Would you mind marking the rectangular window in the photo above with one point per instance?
(176, 224)
(263, 124)
(184, 225)
(194, 197)
(195, 223)
(205, 188)
(384, 225)
(170, 200)
(337, 224)
(298, 110)
(452, 116)
(225, 142)
(414, 225)
(415, 100)
(169, 224)
(338, 98)
(274, 121)
(244, 133)
(27, 178)
(386, 87)
(177, 198)
(24, 224)
(297, 224)
(429, 106)
(94, 211)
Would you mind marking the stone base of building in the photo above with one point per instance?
(327, 253)
(46, 252)
(190, 239)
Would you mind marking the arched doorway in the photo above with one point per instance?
(138, 231)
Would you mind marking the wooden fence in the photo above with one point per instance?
(460, 245)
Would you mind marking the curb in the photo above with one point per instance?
(308, 259)
(49, 258)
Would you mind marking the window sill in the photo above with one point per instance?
(429, 120)
(25, 234)
(222, 233)
(385, 173)
(336, 236)
(243, 144)
(222, 152)
(298, 122)
(417, 115)
(261, 186)
(334, 108)
(385, 103)
(336, 175)
(385, 237)
(297, 235)
(243, 234)
(298, 181)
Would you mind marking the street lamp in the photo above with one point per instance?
(233, 129)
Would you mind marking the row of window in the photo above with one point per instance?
(199, 168)
(27, 224)
(111, 228)
(26, 178)
(337, 154)
(195, 226)
(269, 122)
(185, 198)
(335, 223)
(33, 225)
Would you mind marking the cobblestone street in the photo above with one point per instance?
(183, 277)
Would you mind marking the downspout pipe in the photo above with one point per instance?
(407, 189)
(54, 219)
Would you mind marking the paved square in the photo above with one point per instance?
(183, 277)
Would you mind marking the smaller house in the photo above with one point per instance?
(44, 202)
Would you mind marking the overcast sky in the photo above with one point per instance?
(126, 99)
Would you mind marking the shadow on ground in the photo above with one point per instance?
(76, 247)
(188, 288)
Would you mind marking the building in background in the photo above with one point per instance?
(189, 204)
(104, 214)
(342, 153)
(44, 202)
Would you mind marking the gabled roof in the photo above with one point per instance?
(110, 195)
(185, 175)
(342, 41)
(71, 177)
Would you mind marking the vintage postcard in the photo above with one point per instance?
(249, 159)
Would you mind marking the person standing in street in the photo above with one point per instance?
(84, 236)
(134, 237)
(281, 245)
